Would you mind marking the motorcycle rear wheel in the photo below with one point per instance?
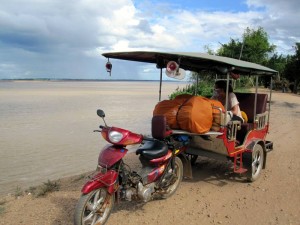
(94, 208)
(178, 172)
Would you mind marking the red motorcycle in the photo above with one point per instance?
(162, 164)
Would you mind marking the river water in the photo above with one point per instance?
(46, 127)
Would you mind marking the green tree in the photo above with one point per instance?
(278, 63)
(292, 69)
(232, 49)
(254, 47)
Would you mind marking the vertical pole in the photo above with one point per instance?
(160, 83)
(226, 100)
(241, 52)
(196, 86)
(270, 98)
(255, 99)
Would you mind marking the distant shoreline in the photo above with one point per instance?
(89, 80)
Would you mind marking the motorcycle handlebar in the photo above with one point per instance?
(101, 127)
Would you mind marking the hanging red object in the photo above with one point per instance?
(108, 67)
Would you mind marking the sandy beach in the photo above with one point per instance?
(46, 129)
(56, 141)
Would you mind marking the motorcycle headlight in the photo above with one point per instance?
(115, 136)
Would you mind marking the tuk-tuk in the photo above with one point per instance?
(244, 143)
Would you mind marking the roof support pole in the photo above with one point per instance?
(160, 83)
(227, 91)
(255, 99)
(270, 98)
(196, 86)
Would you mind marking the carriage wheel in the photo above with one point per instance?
(254, 161)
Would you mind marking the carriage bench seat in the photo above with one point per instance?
(246, 103)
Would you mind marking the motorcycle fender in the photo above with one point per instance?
(187, 166)
(107, 180)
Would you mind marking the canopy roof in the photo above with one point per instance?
(194, 62)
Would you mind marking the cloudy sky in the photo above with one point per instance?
(65, 39)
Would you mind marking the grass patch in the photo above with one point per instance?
(80, 177)
(47, 187)
(18, 192)
(2, 208)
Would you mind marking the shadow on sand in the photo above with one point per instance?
(204, 170)
(215, 172)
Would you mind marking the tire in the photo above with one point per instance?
(94, 208)
(254, 163)
(170, 190)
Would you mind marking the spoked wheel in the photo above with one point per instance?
(255, 163)
(177, 178)
(94, 208)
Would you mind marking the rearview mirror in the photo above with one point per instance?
(100, 113)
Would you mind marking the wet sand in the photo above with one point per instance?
(46, 128)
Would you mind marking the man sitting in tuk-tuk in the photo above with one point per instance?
(233, 108)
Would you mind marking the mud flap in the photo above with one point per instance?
(187, 166)
(247, 163)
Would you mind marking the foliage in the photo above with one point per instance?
(292, 69)
(18, 192)
(243, 83)
(278, 63)
(254, 47)
(2, 208)
(204, 89)
(207, 76)
(232, 49)
(42, 190)
(209, 50)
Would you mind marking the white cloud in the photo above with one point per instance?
(280, 19)
(56, 37)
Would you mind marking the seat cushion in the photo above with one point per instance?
(246, 103)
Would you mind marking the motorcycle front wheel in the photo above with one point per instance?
(94, 208)
(178, 174)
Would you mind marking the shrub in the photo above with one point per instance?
(18, 192)
(2, 208)
(47, 187)
(204, 89)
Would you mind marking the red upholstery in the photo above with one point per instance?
(159, 127)
(246, 101)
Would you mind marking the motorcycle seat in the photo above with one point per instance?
(152, 149)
